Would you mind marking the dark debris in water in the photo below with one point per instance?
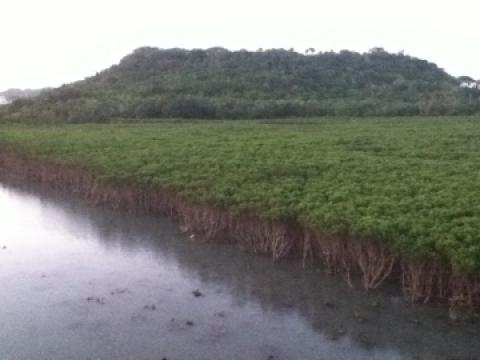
(180, 325)
(197, 293)
(98, 300)
(119, 291)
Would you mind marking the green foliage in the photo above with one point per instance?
(412, 183)
(219, 84)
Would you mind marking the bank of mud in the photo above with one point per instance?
(366, 262)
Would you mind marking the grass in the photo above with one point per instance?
(412, 183)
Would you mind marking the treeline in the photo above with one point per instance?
(220, 84)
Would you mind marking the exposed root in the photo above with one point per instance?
(349, 256)
(375, 261)
(423, 281)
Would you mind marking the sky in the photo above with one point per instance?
(52, 42)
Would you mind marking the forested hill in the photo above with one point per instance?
(217, 83)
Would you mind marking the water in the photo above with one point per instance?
(86, 283)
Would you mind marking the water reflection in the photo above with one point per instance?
(255, 309)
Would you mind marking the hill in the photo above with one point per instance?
(217, 83)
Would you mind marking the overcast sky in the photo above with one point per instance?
(51, 42)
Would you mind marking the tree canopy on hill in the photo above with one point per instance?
(217, 83)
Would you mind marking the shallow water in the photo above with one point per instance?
(78, 282)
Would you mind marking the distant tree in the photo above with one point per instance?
(377, 50)
(466, 81)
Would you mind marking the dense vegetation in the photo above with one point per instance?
(412, 183)
(220, 84)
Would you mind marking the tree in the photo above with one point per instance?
(467, 81)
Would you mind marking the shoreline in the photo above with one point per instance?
(367, 262)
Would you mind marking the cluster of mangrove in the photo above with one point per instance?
(221, 84)
(384, 199)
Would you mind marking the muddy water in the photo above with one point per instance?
(86, 283)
